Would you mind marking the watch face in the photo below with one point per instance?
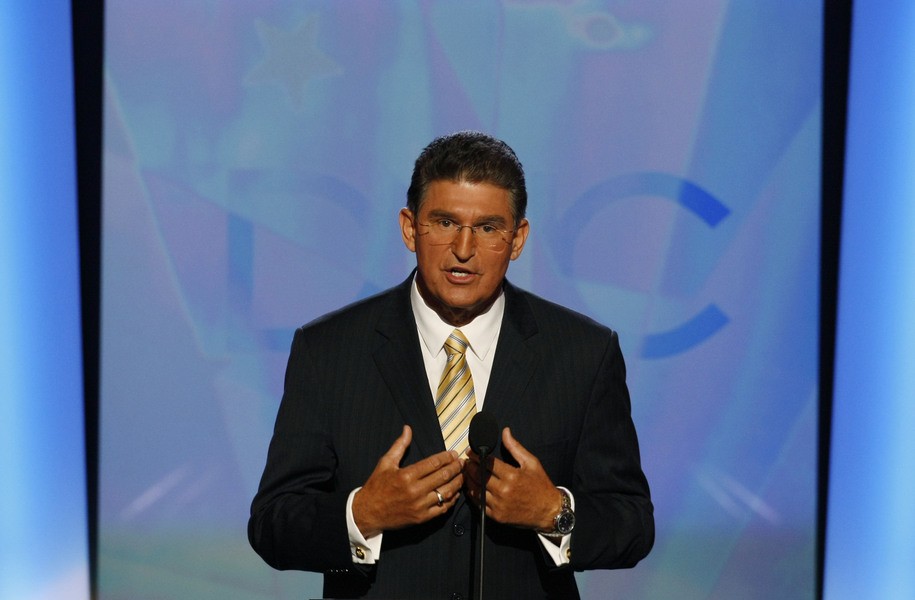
(565, 522)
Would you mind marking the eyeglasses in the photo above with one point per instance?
(444, 231)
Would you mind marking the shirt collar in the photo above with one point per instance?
(433, 331)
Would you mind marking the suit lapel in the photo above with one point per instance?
(516, 358)
(398, 358)
(400, 362)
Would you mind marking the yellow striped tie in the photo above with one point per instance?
(455, 401)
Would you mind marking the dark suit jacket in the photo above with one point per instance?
(356, 376)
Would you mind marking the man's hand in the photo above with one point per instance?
(522, 496)
(395, 497)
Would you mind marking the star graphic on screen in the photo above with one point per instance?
(292, 59)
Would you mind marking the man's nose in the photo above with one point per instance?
(465, 244)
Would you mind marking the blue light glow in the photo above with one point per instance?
(870, 550)
(43, 532)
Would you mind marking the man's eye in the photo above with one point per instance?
(445, 223)
(488, 228)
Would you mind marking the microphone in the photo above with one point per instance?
(483, 438)
(484, 434)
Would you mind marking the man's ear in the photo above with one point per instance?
(520, 238)
(407, 229)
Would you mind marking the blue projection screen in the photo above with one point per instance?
(256, 155)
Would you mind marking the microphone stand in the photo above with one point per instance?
(484, 438)
(483, 456)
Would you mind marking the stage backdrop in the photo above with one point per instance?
(256, 155)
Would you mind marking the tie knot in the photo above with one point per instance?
(456, 343)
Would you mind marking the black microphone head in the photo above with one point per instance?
(484, 433)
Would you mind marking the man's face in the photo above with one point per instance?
(461, 279)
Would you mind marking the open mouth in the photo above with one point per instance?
(459, 274)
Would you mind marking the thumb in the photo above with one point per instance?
(518, 451)
(399, 447)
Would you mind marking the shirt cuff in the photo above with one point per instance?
(364, 551)
(561, 554)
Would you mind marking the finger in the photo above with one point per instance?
(498, 469)
(450, 501)
(451, 489)
(439, 497)
(471, 487)
(436, 469)
(472, 492)
(452, 474)
(446, 496)
(472, 472)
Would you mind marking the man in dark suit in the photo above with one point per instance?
(359, 483)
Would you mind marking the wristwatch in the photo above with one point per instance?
(564, 521)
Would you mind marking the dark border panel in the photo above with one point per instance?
(88, 58)
(837, 23)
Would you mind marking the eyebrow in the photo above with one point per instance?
(491, 219)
